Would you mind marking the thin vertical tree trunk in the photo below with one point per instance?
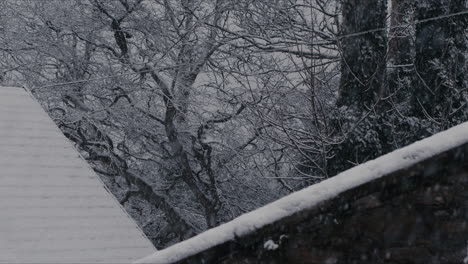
(363, 56)
(400, 50)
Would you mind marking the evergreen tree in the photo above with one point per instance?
(360, 130)
(440, 62)
(363, 55)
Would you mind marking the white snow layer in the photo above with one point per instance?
(311, 196)
(53, 207)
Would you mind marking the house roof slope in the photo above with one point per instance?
(53, 207)
(312, 196)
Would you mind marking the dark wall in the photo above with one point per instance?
(416, 215)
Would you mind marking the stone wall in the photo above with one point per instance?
(415, 215)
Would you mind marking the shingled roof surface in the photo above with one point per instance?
(310, 197)
(53, 207)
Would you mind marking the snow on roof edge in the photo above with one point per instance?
(312, 195)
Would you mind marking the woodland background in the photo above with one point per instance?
(196, 111)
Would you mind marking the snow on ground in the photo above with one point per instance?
(309, 197)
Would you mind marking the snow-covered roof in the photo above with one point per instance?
(313, 195)
(53, 207)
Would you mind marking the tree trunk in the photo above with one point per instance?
(400, 50)
(363, 56)
(363, 74)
